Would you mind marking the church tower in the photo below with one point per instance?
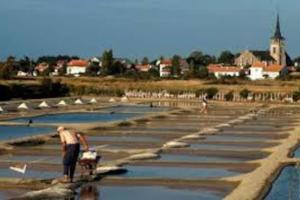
(277, 47)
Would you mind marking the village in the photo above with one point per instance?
(252, 64)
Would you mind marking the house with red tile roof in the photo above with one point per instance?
(219, 70)
(164, 67)
(77, 67)
(166, 64)
(261, 70)
(41, 67)
(143, 68)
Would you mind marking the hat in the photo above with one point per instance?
(60, 128)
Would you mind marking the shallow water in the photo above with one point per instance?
(287, 186)
(123, 138)
(6, 172)
(144, 192)
(297, 153)
(12, 132)
(232, 138)
(31, 158)
(189, 158)
(85, 117)
(134, 109)
(220, 147)
(176, 172)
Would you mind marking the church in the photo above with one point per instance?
(275, 55)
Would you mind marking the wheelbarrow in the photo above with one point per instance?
(87, 164)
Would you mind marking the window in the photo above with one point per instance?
(274, 50)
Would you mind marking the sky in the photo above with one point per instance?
(138, 28)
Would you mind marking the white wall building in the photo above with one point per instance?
(219, 70)
(77, 67)
(164, 67)
(261, 71)
(256, 73)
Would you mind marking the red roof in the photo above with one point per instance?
(219, 68)
(268, 68)
(166, 62)
(273, 68)
(258, 65)
(42, 67)
(143, 67)
(78, 63)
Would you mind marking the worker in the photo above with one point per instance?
(70, 141)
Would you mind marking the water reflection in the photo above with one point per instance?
(89, 192)
(176, 104)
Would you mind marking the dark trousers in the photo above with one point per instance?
(70, 159)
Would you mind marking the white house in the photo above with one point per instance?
(257, 71)
(274, 71)
(164, 67)
(76, 67)
(220, 70)
(261, 71)
(22, 74)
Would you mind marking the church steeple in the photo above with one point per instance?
(278, 34)
(277, 47)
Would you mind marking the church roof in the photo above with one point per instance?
(277, 34)
(263, 55)
(289, 61)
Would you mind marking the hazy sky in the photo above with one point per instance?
(137, 28)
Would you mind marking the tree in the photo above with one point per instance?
(245, 93)
(229, 96)
(200, 59)
(145, 61)
(116, 68)
(92, 69)
(226, 57)
(26, 65)
(211, 92)
(63, 70)
(50, 88)
(203, 73)
(153, 73)
(297, 61)
(6, 71)
(5, 93)
(175, 68)
(107, 61)
(296, 95)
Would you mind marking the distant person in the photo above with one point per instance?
(204, 104)
(151, 105)
(70, 141)
(30, 122)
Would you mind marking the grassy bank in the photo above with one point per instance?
(182, 85)
(116, 86)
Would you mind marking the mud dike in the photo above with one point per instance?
(172, 154)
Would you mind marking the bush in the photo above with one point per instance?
(296, 95)
(5, 93)
(91, 90)
(53, 89)
(229, 96)
(245, 93)
(5, 71)
(199, 92)
(211, 92)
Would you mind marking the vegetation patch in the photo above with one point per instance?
(125, 123)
